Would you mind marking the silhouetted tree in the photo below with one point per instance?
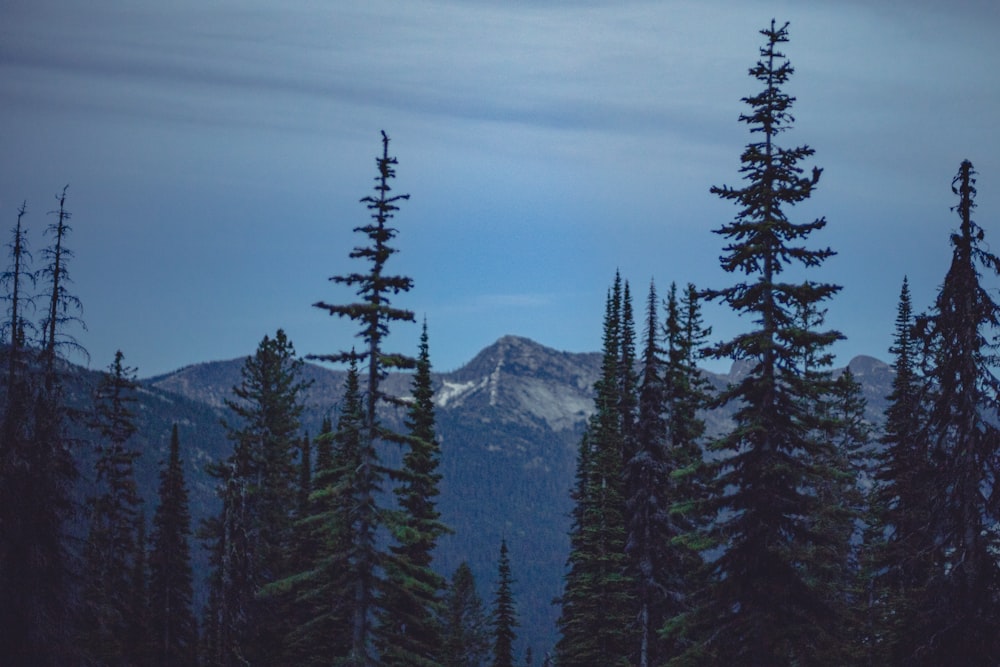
(765, 603)
(374, 314)
(466, 635)
(172, 628)
(962, 600)
(504, 618)
(410, 630)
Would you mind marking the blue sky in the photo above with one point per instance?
(216, 153)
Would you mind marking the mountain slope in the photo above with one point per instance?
(509, 421)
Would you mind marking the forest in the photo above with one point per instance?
(804, 534)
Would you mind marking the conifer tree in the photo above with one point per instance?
(172, 628)
(685, 393)
(763, 603)
(253, 537)
(466, 636)
(14, 441)
(598, 603)
(374, 313)
(899, 544)
(410, 632)
(39, 469)
(962, 600)
(139, 640)
(111, 546)
(322, 586)
(504, 618)
(647, 474)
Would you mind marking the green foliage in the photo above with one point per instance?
(374, 314)
(410, 632)
(598, 603)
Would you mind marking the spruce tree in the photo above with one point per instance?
(598, 603)
(258, 482)
(764, 603)
(962, 600)
(465, 632)
(172, 628)
(899, 544)
(504, 618)
(111, 545)
(409, 628)
(323, 583)
(647, 471)
(374, 313)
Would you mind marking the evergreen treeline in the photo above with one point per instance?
(799, 535)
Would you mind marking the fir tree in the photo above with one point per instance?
(598, 603)
(465, 633)
(962, 600)
(253, 538)
(504, 618)
(899, 545)
(111, 545)
(410, 633)
(374, 313)
(172, 629)
(763, 604)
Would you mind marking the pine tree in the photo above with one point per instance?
(598, 603)
(172, 628)
(962, 598)
(764, 603)
(374, 313)
(504, 618)
(111, 544)
(410, 632)
(253, 538)
(466, 636)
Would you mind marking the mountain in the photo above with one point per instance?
(509, 421)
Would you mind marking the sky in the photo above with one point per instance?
(216, 153)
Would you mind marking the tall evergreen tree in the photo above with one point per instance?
(253, 537)
(374, 313)
(465, 633)
(504, 618)
(963, 594)
(685, 393)
(111, 546)
(598, 603)
(172, 628)
(763, 604)
(899, 544)
(321, 583)
(410, 632)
